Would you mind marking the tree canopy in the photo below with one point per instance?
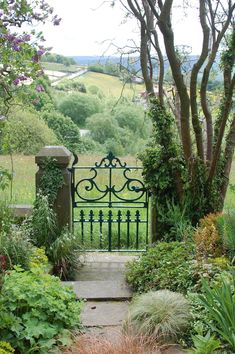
(202, 135)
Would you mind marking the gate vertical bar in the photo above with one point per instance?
(128, 219)
(110, 214)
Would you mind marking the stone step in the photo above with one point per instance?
(108, 313)
(101, 289)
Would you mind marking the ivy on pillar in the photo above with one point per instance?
(61, 157)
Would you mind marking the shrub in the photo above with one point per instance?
(66, 131)
(165, 266)
(61, 248)
(102, 127)
(205, 345)
(95, 90)
(38, 259)
(26, 133)
(226, 227)
(132, 117)
(6, 348)
(207, 239)
(15, 248)
(42, 224)
(36, 311)
(79, 107)
(220, 304)
(162, 315)
(64, 255)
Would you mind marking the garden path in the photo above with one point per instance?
(101, 282)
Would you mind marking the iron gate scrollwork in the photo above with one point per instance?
(110, 205)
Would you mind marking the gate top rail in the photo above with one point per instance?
(131, 191)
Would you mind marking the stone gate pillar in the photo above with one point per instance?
(63, 204)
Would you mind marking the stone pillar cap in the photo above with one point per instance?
(60, 153)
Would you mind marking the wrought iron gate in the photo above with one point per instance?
(110, 206)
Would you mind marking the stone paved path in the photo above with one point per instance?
(101, 282)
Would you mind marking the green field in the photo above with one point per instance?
(110, 85)
(60, 67)
(24, 170)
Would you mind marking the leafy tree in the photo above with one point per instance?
(133, 118)
(21, 51)
(79, 107)
(64, 128)
(102, 127)
(57, 58)
(24, 132)
(197, 165)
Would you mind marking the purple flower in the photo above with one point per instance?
(26, 37)
(35, 58)
(40, 52)
(16, 47)
(16, 81)
(40, 88)
(1, 13)
(56, 20)
(22, 78)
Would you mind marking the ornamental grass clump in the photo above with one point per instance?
(162, 315)
(118, 344)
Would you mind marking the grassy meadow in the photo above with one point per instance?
(110, 85)
(24, 169)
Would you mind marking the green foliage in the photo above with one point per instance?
(61, 248)
(107, 68)
(205, 345)
(6, 218)
(71, 85)
(42, 225)
(200, 320)
(5, 178)
(175, 217)
(163, 165)
(16, 248)
(132, 117)
(66, 131)
(79, 107)
(162, 315)
(6, 348)
(26, 133)
(33, 323)
(38, 259)
(64, 255)
(219, 300)
(102, 126)
(58, 58)
(226, 226)
(165, 266)
(51, 181)
(95, 90)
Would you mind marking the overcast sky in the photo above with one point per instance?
(88, 28)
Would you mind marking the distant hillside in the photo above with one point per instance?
(134, 63)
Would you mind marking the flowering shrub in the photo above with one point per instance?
(21, 48)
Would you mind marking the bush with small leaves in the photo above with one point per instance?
(165, 266)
